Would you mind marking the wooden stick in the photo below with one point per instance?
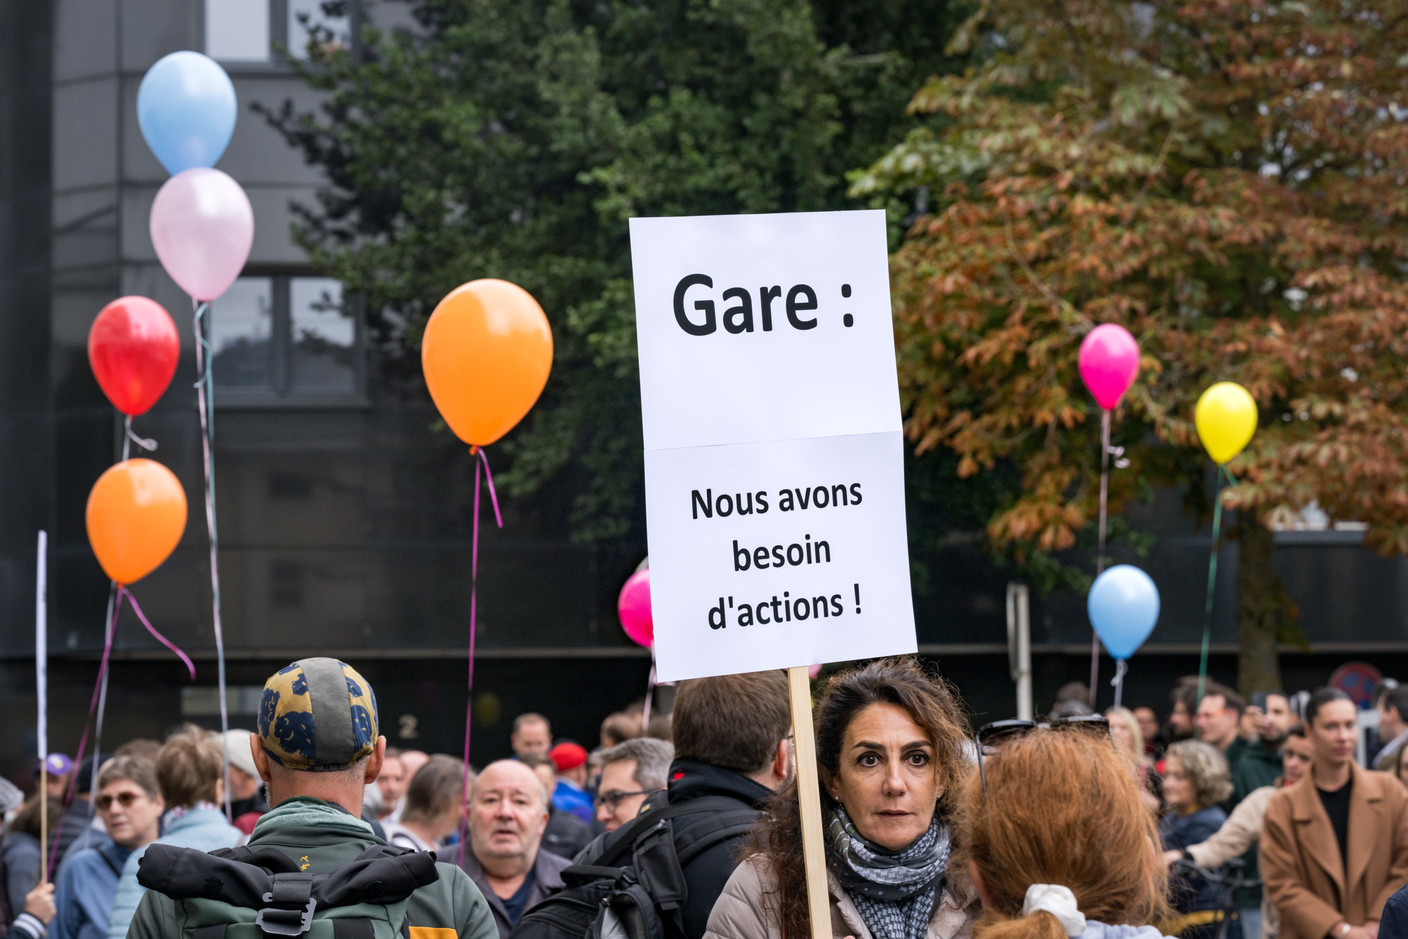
(41, 664)
(43, 822)
(809, 792)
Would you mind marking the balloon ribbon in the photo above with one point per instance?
(1106, 451)
(205, 403)
(1222, 473)
(1121, 666)
(129, 438)
(649, 693)
(98, 703)
(473, 597)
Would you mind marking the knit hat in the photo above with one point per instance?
(10, 795)
(236, 742)
(567, 756)
(317, 714)
(58, 764)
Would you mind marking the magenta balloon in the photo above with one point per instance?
(1109, 360)
(202, 227)
(634, 608)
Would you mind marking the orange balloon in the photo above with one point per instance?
(486, 354)
(136, 516)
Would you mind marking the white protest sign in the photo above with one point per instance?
(773, 449)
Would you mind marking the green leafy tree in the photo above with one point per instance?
(1226, 180)
(514, 140)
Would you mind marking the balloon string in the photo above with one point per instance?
(1212, 580)
(1100, 541)
(1121, 666)
(98, 723)
(493, 496)
(132, 601)
(474, 597)
(95, 707)
(129, 438)
(649, 693)
(205, 403)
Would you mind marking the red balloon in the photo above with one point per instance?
(133, 348)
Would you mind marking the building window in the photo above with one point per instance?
(248, 31)
(237, 30)
(282, 339)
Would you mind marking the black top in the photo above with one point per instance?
(1337, 807)
(707, 873)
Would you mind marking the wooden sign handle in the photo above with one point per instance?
(809, 793)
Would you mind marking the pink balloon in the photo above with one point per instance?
(634, 608)
(1109, 360)
(202, 227)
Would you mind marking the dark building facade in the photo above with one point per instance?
(344, 518)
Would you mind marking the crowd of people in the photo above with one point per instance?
(1231, 818)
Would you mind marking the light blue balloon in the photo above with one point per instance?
(1123, 605)
(186, 109)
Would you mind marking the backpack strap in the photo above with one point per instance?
(112, 865)
(290, 906)
(699, 837)
(352, 928)
(613, 850)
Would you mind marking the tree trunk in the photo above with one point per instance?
(1260, 605)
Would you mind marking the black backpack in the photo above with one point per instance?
(630, 884)
(239, 893)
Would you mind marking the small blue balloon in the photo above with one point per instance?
(186, 109)
(1123, 605)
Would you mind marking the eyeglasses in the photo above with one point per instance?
(993, 737)
(124, 799)
(614, 798)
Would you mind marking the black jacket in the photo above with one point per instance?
(565, 834)
(707, 873)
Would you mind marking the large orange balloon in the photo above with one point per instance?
(136, 516)
(486, 353)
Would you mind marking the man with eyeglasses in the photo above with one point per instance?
(130, 805)
(630, 773)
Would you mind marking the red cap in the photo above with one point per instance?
(567, 756)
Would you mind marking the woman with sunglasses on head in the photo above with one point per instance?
(891, 758)
(1195, 780)
(1059, 841)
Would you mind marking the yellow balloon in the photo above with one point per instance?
(1226, 420)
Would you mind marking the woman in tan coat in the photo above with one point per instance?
(1334, 847)
(890, 753)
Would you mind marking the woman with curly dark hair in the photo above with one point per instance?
(891, 757)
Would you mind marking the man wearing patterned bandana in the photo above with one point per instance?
(317, 748)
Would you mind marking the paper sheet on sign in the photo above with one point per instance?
(773, 449)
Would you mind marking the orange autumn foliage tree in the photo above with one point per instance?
(1229, 181)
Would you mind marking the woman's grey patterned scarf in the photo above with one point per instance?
(894, 891)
